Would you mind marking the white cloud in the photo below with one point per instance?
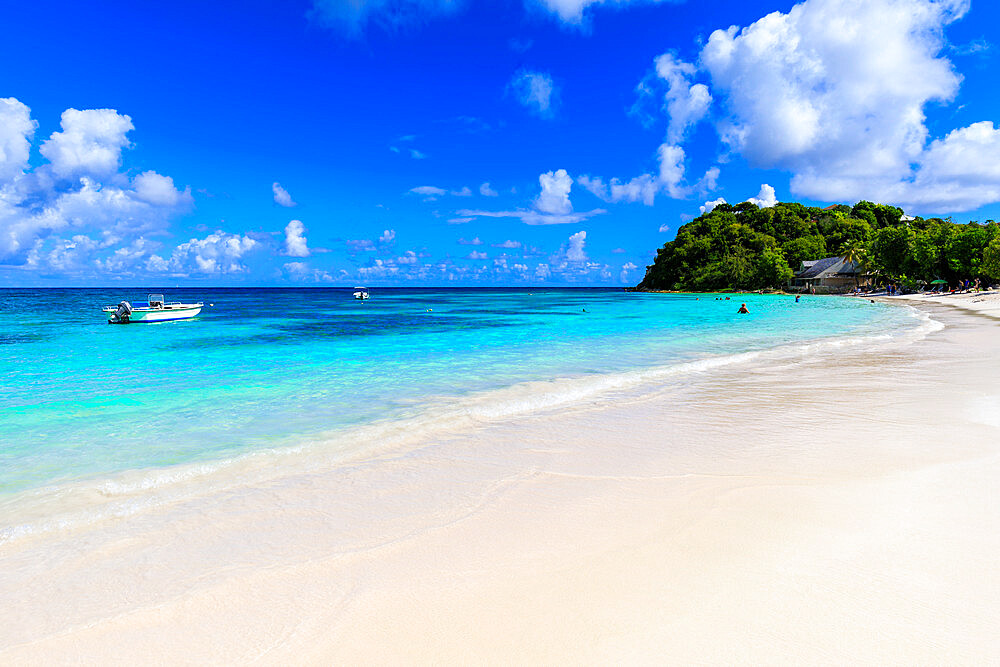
(360, 245)
(536, 91)
(685, 103)
(295, 242)
(710, 205)
(552, 206)
(960, 171)
(378, 268)
(217, 253)
(94, 197)
(124, 260)
(765, 198)
(475, 254)
(641, 188)
(530, 217)
(429, 192)
(817, 92)
(475, 241)
(486, 191)
(16, 130)
(301, 271)
(159, 190)
(408, 257)
(626, 267)
(417, 155)
(464, 192)
(663, 228)
(554, 198)
(281, 196)
(90, 143)
(387, 237)
(573, 250)
(509, 245)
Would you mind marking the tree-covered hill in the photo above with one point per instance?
(746, 247)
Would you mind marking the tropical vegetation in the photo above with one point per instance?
(747, 247)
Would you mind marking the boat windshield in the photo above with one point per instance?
(155, 300)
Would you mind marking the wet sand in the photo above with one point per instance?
(837, 507)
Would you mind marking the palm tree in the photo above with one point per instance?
(853, 252)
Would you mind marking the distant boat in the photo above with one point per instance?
(154, 310)
(361, 293)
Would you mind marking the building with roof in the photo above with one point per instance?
(828, 275)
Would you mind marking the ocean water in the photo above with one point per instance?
(269, 369)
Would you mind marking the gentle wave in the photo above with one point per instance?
(84, 503)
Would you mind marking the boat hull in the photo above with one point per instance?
(159, 315)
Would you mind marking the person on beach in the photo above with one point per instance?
(743, 310)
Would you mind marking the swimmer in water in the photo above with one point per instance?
(743, 309)
(797, 297)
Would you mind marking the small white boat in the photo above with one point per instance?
(361, 293)
(154, 310)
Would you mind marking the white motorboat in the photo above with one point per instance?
(361, 293)
(155, 309)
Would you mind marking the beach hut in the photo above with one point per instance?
(830, 275)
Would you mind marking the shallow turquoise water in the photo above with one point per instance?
(265, 368)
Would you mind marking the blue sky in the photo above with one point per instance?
(450, 142)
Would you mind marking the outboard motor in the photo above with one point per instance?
(121, 316)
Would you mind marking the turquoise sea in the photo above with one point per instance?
(264, 369)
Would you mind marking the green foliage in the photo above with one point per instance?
(991, 259)
(746, 247)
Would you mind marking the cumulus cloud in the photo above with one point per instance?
(626, 268)
(536, 91)
(817, 92)
(476, 254)
(554, 198)
(765, 198)
(669, 179)
(90, 143)
(80, 188)
(408, 257)
(508, 244)
(159, 190)
(475, 241)
(709, 206)
(486, 191)
(217, 253)
(552, 206)
(295, 241)
(686, 103)
(281, 196)
(387, 236)
(16, 130)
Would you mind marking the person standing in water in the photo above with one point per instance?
(743, 309)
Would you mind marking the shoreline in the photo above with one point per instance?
(983, 303)
(712, 521)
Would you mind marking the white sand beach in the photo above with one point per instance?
(985, 303)
(835, 507)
